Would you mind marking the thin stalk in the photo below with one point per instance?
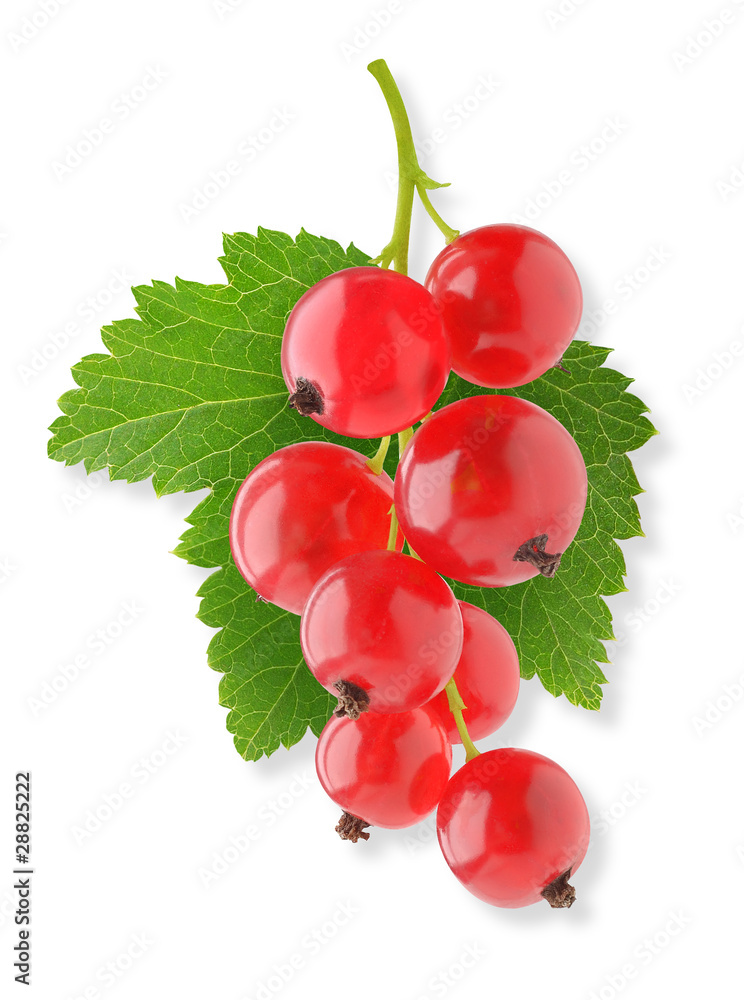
(449, 233)
(411, 178)
(376, 463)
(394, 526)
(456, 705)
(411, 551)
(403, 438)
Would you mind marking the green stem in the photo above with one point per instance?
(411, 178)
(403, 438)
(393, 536)
(411, 551)
(396, 252)
(456, 705)
(449, 233)
(376, 463)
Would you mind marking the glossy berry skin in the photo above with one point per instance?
(372, 344)
(511, 302)
(388, 624)
(389, 770)
(487, 677)
(510, 823)
(300, 511)
(483, 476)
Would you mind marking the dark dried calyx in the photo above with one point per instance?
(306, 398)
(559, 893)
(350, 827)
(533, 552)
(352, 700)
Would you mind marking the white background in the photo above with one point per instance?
(659, 896)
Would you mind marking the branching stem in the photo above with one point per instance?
(394, 526)
(411, 178)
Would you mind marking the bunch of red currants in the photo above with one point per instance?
(490, 490)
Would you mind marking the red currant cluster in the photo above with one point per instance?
(490, 491)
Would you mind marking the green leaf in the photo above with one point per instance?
(191, 394)
(271, 694)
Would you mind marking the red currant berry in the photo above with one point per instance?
(513, 827)
(487, 677)
(300, 511)
(510, 300)
(387, 770)
(491, 490)
(364, 352)
(386, 624)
